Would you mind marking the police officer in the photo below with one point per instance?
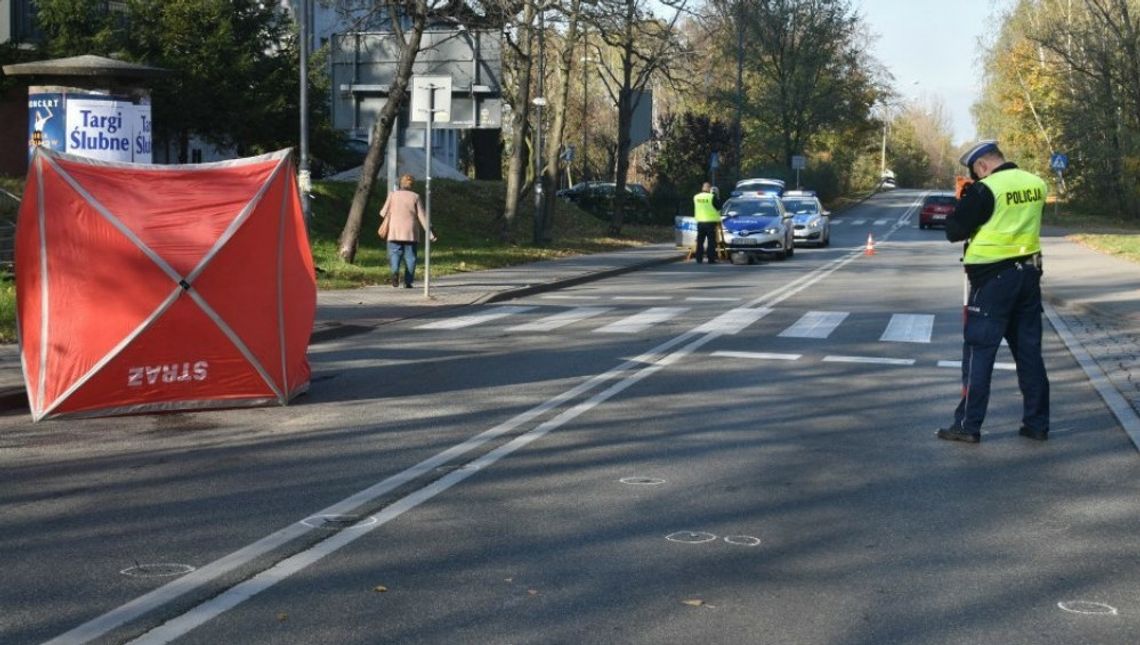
(1000, 217)
(706, 210)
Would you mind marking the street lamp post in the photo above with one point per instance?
(304, 179)
(539, 101)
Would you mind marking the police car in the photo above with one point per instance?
(812, 224)
(758, 186)
(757, 226)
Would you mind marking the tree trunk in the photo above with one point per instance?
(553, 167)
(520, 122)
(381, 130)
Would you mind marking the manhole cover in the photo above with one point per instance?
(157, 570)
(742, 540)
(690, 537)
(1087, 607)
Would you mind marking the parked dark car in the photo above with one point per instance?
(597, 197)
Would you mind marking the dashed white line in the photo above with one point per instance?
(762, 356)
(873, 360)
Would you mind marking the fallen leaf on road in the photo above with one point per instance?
(693, 602)
(379, 589)
(533, 592)
(282, 617)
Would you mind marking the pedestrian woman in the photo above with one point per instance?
(399, 227)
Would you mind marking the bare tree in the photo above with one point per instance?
(646, 47)
(417, 10)
(552, 168)
(520, 44)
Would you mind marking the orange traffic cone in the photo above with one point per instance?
(870, 249)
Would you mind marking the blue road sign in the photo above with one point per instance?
(1059, 161)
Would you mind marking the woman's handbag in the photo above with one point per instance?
(383, 231)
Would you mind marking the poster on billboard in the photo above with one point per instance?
(98, 126)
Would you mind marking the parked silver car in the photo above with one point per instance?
(812, 222)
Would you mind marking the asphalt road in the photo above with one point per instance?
(689, 453)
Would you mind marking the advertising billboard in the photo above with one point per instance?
(97, 126)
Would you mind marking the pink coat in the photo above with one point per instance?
(404, 208)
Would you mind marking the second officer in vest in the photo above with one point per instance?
(1000, 217)
(706, 211)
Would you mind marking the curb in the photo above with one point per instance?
(554, 285)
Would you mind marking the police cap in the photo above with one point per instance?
(976, 151)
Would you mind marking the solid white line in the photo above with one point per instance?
(562, 297)
(868, 359)
(182, 624)
(562, 319)
(815, 324)
(712, 299)
(997, 365)
(732, 321)
(206, 574)
(909, 328)
(641, 321)
(1119, 406)
(474, 319)
(759, 355)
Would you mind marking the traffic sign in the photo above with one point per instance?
(1059, 161)
(799, 162)
(714, 160)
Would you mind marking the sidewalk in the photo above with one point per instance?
(345, 312)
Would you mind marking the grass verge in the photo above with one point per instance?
(466, 218)
(1110, 235)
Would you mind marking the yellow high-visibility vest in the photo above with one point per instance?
(703, 209)
(1014, 229)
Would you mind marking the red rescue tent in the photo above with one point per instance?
(152, 288)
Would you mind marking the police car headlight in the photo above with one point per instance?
(814, 223)
(771, 230)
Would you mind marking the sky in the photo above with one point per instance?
(931, 48)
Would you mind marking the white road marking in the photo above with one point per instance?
(909, 328)
(471, 320)
(881, 222)
(712, 299)
(874, 360)
(733, 320)
(561, 319)
(858, 222)
(557, 296)
(758, 355)
(643, 297)
(641, 321)
(815, 324)
(997, 365)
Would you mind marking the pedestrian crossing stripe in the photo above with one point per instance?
(909, 328)
(641, 321)
(475, 319)
(561, 319)
(815, 324)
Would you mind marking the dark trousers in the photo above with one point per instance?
(706, 239)
(1007, 306)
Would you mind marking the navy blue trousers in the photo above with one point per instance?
(1007, 306)
(706, 241)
